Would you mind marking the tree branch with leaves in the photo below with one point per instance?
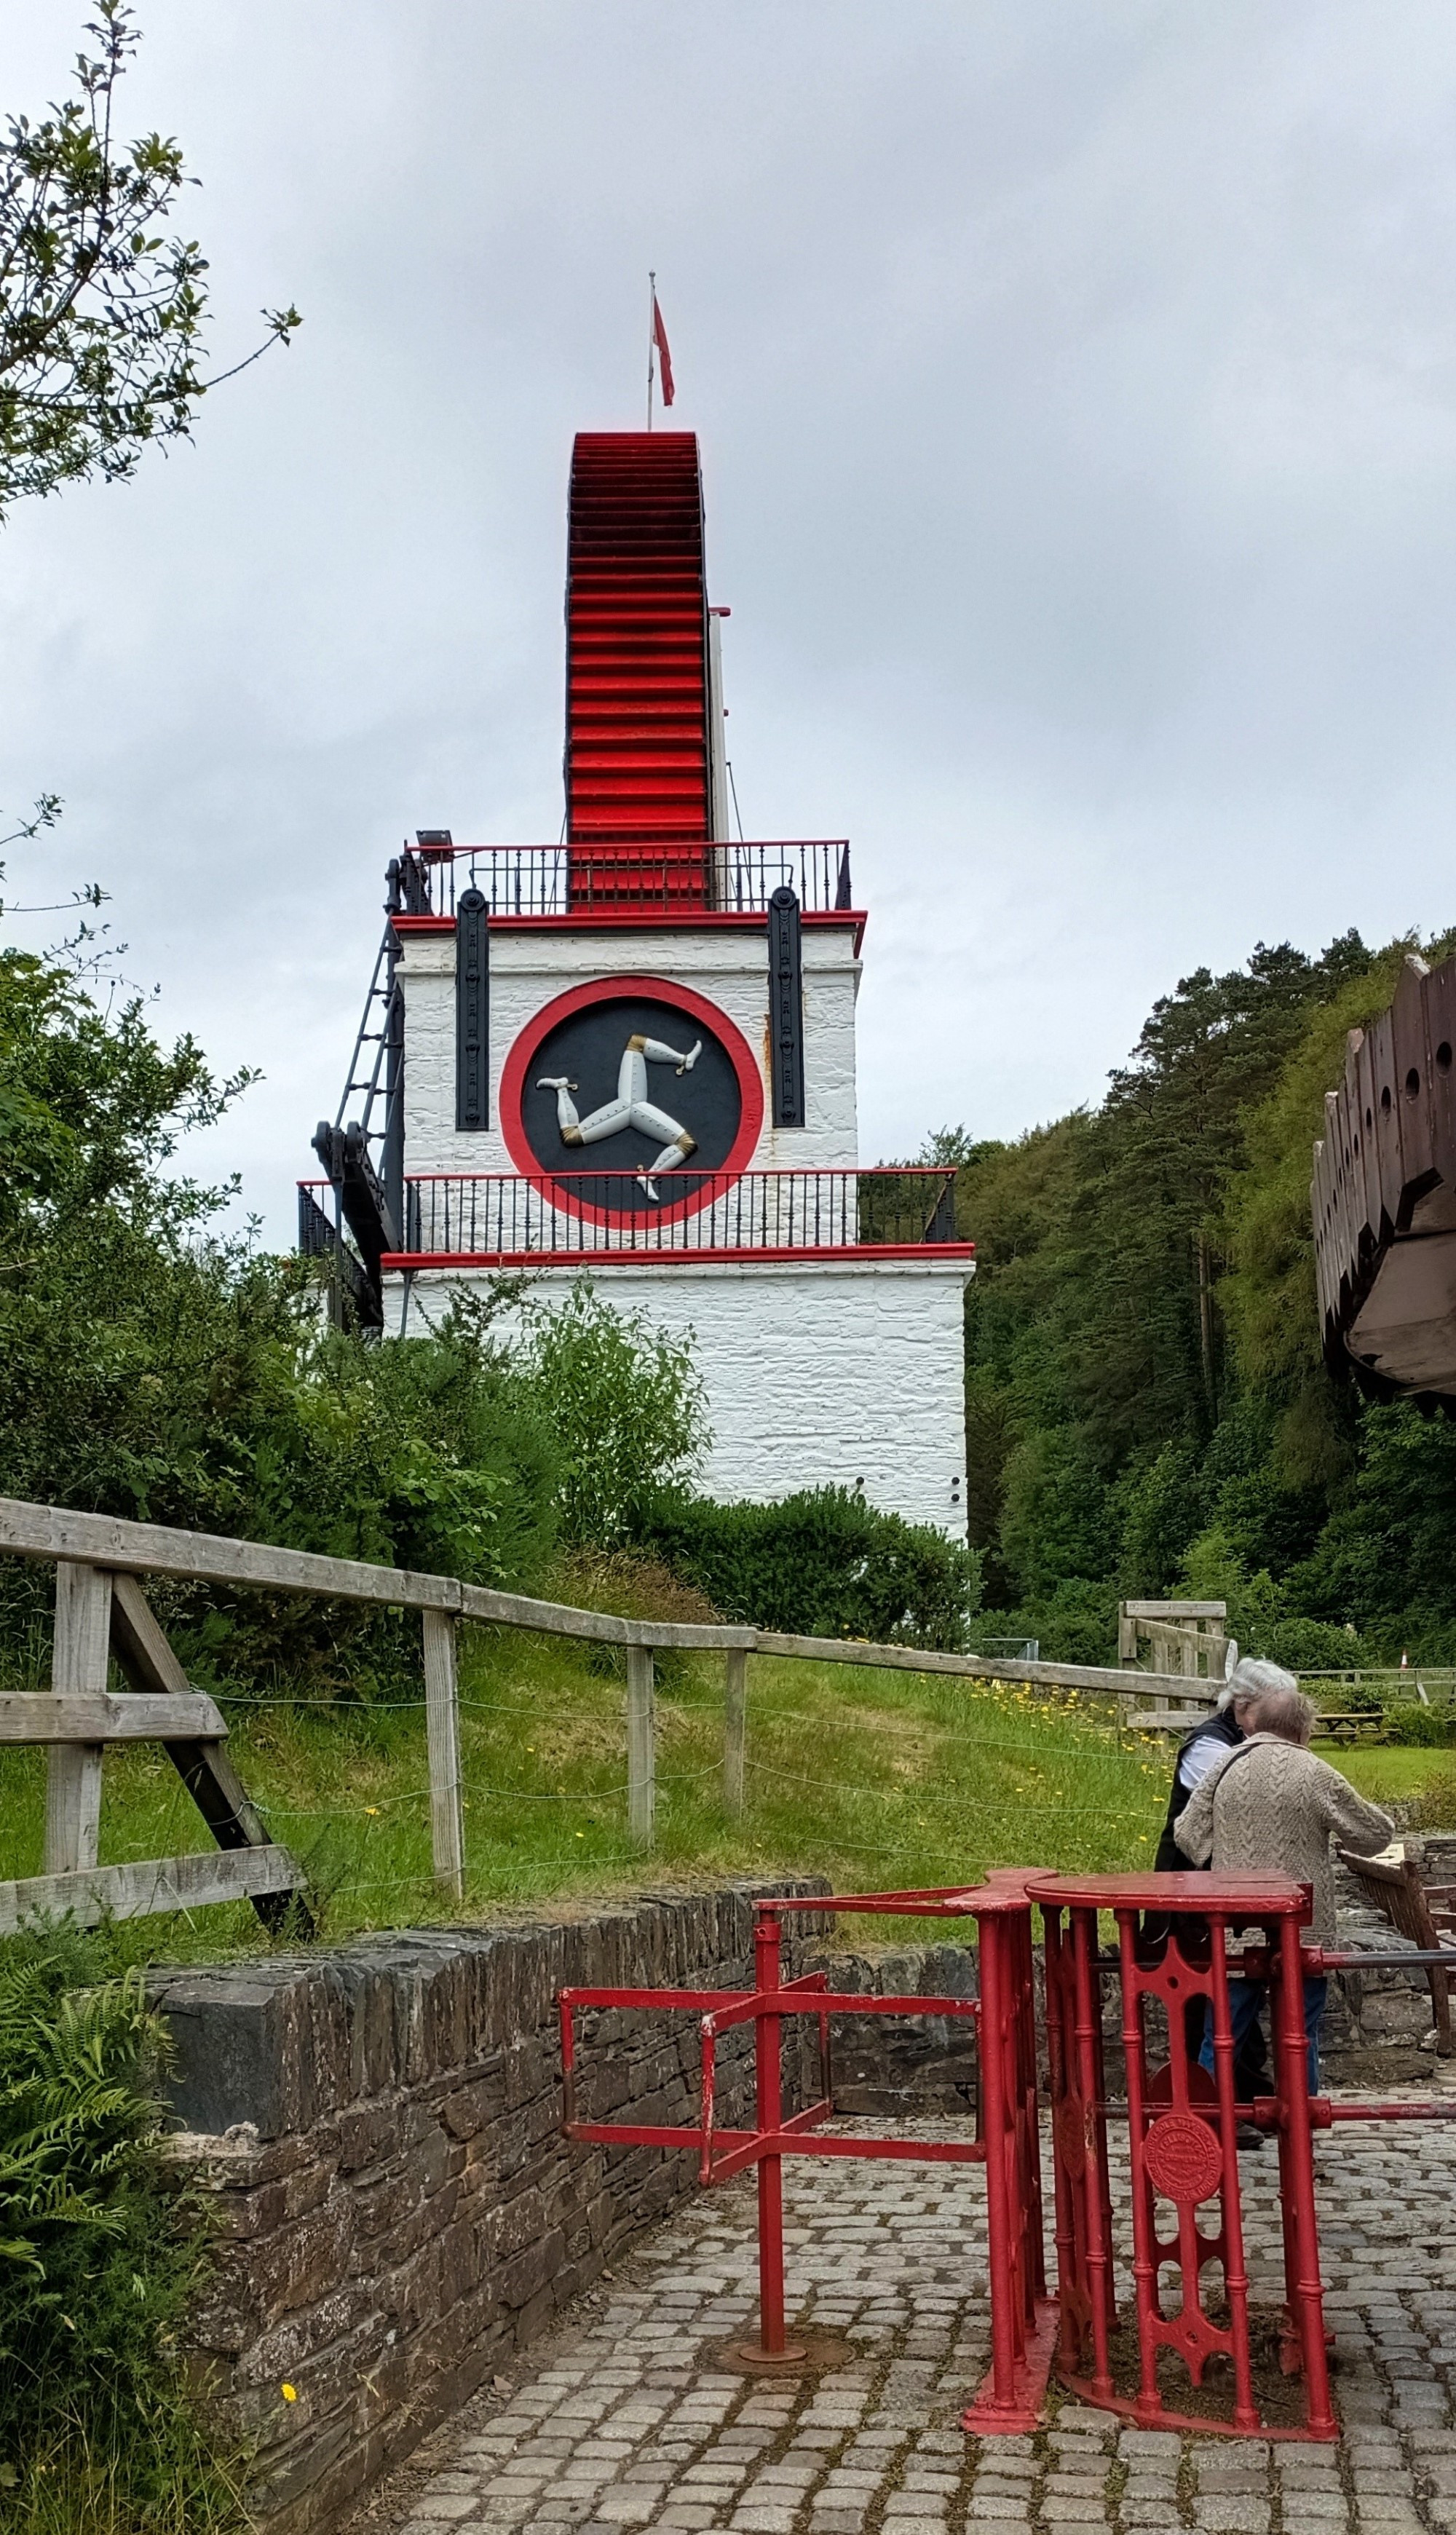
(102, 301)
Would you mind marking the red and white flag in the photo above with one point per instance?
(664, 356)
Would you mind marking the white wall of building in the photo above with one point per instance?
(531, 966)
(814, 1373)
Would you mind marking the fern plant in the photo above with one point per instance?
(100, 2250)
(72, 2071)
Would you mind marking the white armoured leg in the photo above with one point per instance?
(566, 1107)
(657, 1052)
(650, 1121)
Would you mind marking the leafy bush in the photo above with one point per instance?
(1076, 1623)
(101, 2251)
(821, 1564)
(626, 1405)
(1433, 1806)
(1352, 1699)
(1429, 1727)
(1264, 1616)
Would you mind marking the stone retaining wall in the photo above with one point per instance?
(1377, 2020)
(895, 2066)
(399, 2210)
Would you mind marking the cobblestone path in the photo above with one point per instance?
(624, 2422)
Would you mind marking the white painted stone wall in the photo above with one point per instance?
(727, 964)
(814, 1373)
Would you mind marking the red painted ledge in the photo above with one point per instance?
(642, 919)
(847, 1255)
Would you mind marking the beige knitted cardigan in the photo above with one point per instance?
(1275, 1816)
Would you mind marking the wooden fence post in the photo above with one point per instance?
(735, 1727)
(641, 1763)
(77, 1666)
(443, 1734)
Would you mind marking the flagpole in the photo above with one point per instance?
(651, 339)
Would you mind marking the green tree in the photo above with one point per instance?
(102, 301)
(1264, 1228)
(151, 1368)
(1142, 1354)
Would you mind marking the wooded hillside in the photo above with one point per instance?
(1146, 1405)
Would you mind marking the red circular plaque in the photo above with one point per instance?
(517, 1076)
(1183, 2159)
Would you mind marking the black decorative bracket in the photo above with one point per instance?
(786, 1009)
(472, 1012)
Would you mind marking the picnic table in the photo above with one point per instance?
(1350, 1725)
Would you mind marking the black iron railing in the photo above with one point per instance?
(562, 880)
(354, 1296)
(500, 1214)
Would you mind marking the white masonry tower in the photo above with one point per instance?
(632, 1056)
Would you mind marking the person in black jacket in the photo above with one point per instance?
(1197, 1754)
(1206, 1743)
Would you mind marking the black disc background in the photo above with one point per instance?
(587, 1047)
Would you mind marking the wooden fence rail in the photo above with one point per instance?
(101, 1611)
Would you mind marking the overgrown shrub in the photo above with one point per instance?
(1432, 1728)
(824, 1563)
(101, 2251)
(1077, 1622)
(1432, 1807)
(626, 1405)
(637, 1588)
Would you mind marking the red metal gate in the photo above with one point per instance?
(1182, 2146)
(1007, 2128)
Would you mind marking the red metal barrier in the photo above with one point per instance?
(1181, 2126)
(1007, 2132)
(1182, 2137)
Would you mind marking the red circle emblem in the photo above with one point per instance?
(1183, 2157)
(715, 1093)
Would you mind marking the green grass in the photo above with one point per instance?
(879, 1780)
(1383, 1770)
(1423, 1783)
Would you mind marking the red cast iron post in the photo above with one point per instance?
(1144, 2224)
(1296, 2180)
(1028, 2109)
(1069, 2283)
(1236, 2272)
(1091, 2094)
(997, 2116)
(767, 2029)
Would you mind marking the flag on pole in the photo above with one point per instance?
(664, 356)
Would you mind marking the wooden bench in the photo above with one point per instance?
(1423, 1912)
(1350, 1725)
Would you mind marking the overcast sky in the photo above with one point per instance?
(1075, 390)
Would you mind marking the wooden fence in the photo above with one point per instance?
(1189, 1639)
(101, 1612)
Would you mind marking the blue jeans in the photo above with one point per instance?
(1246, 1998)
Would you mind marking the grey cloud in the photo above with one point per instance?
(1076, 396)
